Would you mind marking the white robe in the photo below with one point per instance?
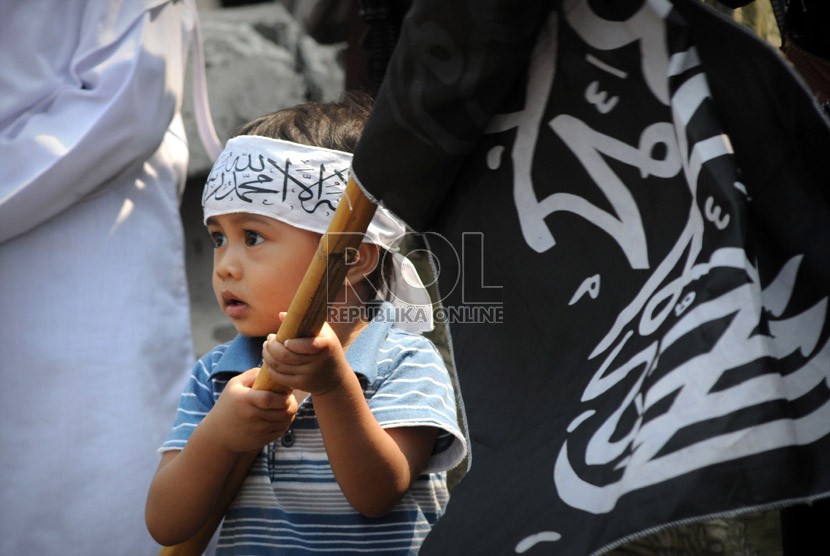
(95, 340)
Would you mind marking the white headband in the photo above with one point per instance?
(301, 185)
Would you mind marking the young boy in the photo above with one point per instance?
(358, 466)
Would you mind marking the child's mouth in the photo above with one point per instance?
(234, 307)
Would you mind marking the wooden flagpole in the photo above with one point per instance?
(305, 317)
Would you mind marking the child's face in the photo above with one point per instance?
(258, 264)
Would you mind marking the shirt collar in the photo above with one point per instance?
(245, 352)
(242, 353)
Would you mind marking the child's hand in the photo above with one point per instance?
(316, 365)
(245, 419)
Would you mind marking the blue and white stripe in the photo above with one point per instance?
(290, 502)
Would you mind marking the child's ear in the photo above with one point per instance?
(361, 261)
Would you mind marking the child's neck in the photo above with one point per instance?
(348, 331)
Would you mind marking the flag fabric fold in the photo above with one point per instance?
(629, 207)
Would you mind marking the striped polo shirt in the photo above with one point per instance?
(290, 503)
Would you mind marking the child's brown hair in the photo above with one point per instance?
(334, 125)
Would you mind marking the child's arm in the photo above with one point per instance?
(373, 466)
(188, 483)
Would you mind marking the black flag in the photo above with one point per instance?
(629, 204)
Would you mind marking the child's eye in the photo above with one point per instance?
(252, 238)
(218, 239)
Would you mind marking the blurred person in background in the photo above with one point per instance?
(95, 339)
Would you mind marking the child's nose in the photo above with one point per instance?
(228, 264)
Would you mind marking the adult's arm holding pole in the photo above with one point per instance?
(305, 317)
